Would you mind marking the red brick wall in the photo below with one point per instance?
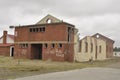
(21, 34)
(5, 51)
(55, 54)
(109, 49)
(56, 32)
(58, 54)
(69, 56)
(22, 52)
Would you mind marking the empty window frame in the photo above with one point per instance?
(52, 45)
(45, 45)
(91, 47)
(86, 47)
(106, 48)
(31, 30)
(80, 46)
(100, 48)
(41, 29)
(34, 30)
(23, 45)
(69, 32)
(60, 45)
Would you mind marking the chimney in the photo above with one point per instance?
(4, 37)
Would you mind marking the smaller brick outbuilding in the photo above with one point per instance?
(7, 44)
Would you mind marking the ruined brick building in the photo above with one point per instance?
(49, 39)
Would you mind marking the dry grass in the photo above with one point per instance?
(13, 68)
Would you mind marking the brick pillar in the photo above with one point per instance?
(4, 37)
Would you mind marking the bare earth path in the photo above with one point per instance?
(110, 72)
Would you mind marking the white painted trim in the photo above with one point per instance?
(11, 50)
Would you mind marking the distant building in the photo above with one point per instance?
(49, 39)
(91, 49)
(7, 44)
(96, 47)
(116, 53)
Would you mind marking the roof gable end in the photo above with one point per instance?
(49, 19)
(103, 37)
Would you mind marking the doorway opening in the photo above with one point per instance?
(11, 51)
(36, 51)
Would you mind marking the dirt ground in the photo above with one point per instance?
(114, 65)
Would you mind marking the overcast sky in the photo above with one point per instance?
(89, 16)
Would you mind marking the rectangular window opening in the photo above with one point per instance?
(23, 45)
(69, 34)
(80, 46)
(86, 47)
(60, 45)
(53, 45)
(91, 47)
(45, 45)
(31, 30)
(41, 29)
(99, 49)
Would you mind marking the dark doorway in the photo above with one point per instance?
(36, 51)
(11, 51)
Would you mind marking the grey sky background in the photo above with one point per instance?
(89, 16)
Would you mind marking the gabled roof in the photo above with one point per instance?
(84, 37)
(9, 35)
(49, 17)
(103, 37)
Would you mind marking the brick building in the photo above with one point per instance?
(48, 39)
(7, 44)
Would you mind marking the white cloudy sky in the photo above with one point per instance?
(89, 16)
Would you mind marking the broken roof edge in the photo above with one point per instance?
(45, 19)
